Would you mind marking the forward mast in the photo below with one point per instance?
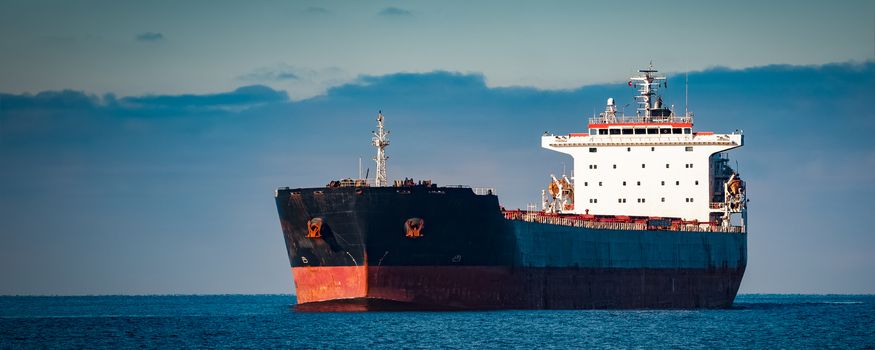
(381, 141)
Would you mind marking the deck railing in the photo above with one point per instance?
(641, 119)
(603, 225)
(484, 191)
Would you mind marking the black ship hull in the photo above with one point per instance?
(435, 248)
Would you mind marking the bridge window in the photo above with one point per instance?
(665, 131)
(652, 131)
(627, 131)
(614, 131)
(687, 131)
(603, 131)
(640, 131)
(676, 131)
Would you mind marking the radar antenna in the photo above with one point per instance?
(647, 84)
(380, 141)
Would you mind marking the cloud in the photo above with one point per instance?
(246, 96)
(394, 12)
(317, 10)
(149, 37)
(241, 98)
(300, 82)
(267, 74)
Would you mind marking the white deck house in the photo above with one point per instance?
(649, 165)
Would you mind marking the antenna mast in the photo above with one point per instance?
(648, 86)
(686, 94)
(380, 141)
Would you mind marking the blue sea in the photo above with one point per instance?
(269, 321)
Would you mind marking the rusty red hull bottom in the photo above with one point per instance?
(346, 288)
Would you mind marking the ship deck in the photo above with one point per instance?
(619, 222)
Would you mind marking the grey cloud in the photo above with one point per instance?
(394, 12)
(317, 10)
(150, 37)
(241, 97)
(279, 74)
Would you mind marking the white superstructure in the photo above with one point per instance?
(652, 164)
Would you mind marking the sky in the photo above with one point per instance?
(303, 47)
(141, 142)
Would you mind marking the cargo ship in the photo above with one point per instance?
(652, 216)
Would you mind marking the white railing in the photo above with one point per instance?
(484, 191)
(641, 119)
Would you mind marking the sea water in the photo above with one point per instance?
(269, 321)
